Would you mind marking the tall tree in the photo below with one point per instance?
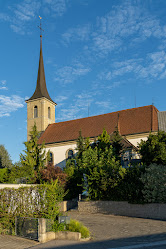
(154, 149)
(34, 158)
(5, 161)
(80, 145)
(116, 143)
(103, 140)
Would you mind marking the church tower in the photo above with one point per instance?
(40, 107)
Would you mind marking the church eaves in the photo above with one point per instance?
(41, 88)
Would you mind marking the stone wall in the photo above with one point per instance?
(153, 211)
(67, 205)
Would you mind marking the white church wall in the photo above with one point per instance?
(136, 138)
(59, 151)
(136, 141)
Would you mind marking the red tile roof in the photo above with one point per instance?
(130, 121)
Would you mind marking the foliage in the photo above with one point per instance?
(154, 181)
(35, 201)
(103, 141)
(73, 169)
(130, 188)
(5, 161)
(76, 226)
(154, 149)
(74, 174)
(97, 165)
(82, 145)
(102, 171)
(34, 158)
(58, 226)
(4, 175)
(51, 173)
(17, 174)
(116, 143)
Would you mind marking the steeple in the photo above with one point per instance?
(40, 107)
(41, 88)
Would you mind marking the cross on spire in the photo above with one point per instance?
(40, 27)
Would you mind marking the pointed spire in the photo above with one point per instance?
(41, 88)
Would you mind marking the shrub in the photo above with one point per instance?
(76, 226)
(154, 180)
(51, 173)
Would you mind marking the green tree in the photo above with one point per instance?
(74, 173)
(80, 145)
(73, 169)
(154, 149)
(5, 161)
(116, 143)
(102, 171)
(103, 141)
(4, 175)
(99, 167)
(18, 174)
(130, 188)
(34, 158)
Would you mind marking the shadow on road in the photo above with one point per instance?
(108, 244)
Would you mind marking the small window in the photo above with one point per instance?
(35, 112)
(49, 112)
(70, 154)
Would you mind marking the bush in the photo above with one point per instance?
(41, 201)
(154, 180)
(76, 226)
(51, 173)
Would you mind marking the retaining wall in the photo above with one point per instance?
(67, 205)
(152, 211)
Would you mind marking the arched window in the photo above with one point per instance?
(49, 112)
(35, 112)
(70, 154)
(51, 157)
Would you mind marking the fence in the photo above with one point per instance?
(32, 228)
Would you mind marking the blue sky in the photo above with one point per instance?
(109, 55)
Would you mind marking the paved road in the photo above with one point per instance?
(105, 227)
(108, 232)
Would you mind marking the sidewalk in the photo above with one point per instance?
(14, 242)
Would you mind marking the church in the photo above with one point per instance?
(60, 138)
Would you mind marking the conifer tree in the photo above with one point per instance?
(103, 141)
(34, 158)
(80, 145)
(116, 143)
(5, 161)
